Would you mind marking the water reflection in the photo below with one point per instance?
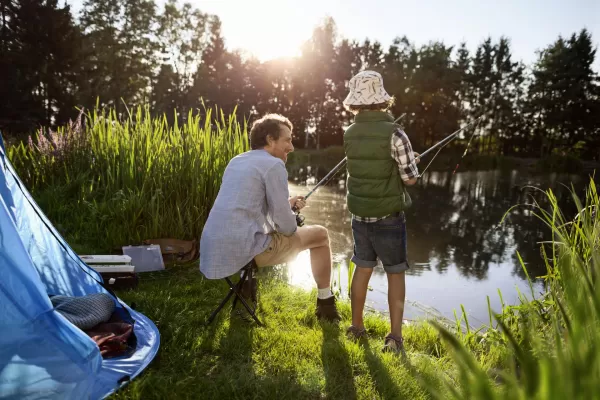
(459, 250)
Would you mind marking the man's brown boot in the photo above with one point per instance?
(327, 310)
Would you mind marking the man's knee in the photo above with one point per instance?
(321, 235)
(313, 236)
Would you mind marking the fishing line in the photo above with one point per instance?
(433, 158)
(468, 145)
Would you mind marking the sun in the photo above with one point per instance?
(270, 37)
(280, 47)
(266, 29)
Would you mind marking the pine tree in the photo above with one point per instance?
(181, 40)
(119, 52)
(563, 97)
(38, 64)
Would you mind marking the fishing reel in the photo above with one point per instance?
(299, 217)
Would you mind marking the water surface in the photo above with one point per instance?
(458, 249)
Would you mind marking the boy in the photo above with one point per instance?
(380, 163)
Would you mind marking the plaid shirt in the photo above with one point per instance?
(402, 152)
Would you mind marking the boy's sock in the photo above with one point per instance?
(324, 293)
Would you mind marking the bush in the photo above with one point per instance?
(567, 163)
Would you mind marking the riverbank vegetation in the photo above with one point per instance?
(106, 182)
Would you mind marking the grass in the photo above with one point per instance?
(293, 356)
(108, 181)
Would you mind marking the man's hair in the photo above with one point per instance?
(372, 107)
(269, 125)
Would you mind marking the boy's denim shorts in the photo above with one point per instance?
(384, 239)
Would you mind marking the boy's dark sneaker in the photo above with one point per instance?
(356, 334)
(394, 344)
(327, 310)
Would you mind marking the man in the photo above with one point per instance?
(252, 217)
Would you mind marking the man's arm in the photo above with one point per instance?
(276, 186)
(403, 153)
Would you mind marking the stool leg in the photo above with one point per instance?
(225, 300)
(239, 285)
(248, 308)
(236, 289)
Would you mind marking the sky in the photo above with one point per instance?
(276, 28)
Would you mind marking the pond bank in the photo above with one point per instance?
(294, 356)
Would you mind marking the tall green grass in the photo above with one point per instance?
(552, 342)
(107, 181)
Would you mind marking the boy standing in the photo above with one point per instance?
(380, 163)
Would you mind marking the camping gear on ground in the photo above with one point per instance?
(42, 354)
(95, 315)
(117, 271)
(87, 311)
(176, 250)
(111, 337)
(246, 285)
(146, 258)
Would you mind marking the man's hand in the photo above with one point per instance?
(298, 202)
(417, 158)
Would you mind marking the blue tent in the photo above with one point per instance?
(42, 355)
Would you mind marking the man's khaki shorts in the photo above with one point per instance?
(281, 249)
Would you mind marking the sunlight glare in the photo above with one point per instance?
(269, 29)
(299, 271)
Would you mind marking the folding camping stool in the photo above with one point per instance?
(246, 273)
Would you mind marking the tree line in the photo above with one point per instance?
(122, 53)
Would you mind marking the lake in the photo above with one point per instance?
(459, 252)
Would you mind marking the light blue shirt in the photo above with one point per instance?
(252, 202)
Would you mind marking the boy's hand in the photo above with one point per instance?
(297, 202)
(417, 158)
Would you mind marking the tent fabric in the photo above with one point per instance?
(43, 355)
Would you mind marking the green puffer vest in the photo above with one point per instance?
(375, 188)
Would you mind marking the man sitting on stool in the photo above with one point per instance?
(252, 217)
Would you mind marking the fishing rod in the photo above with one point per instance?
(446, 140)
(336, 169)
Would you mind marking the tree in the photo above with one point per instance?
(220, 77)
(505, 99)
(564, 95)
(315, 78)
(432, 93)
(38, 64)
(346, 64)
(119, 52)
(463, 66)
(181, 40)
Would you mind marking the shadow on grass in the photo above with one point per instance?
(384, 383)
(339, 376)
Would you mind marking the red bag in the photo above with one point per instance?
(111, 337)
